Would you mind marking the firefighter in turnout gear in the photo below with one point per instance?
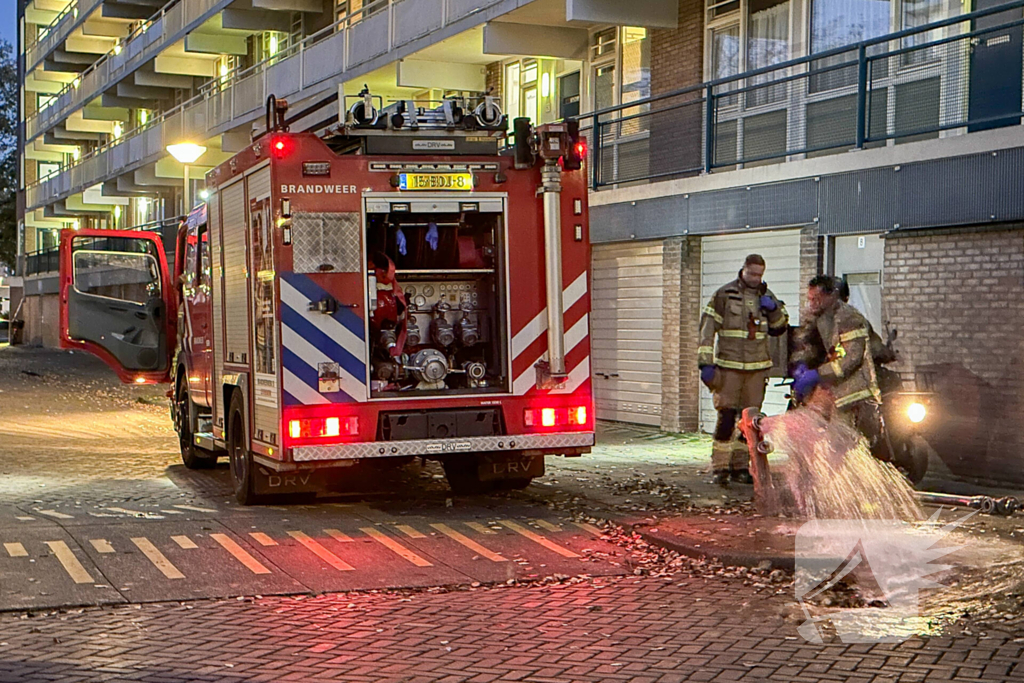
(742, 315)
(844, 340)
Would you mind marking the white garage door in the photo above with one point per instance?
(625, 331)
(721, 258)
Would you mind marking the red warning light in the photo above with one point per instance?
(281, 146)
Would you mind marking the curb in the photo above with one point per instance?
(729, 557)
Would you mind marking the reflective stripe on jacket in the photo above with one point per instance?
(849, 370)
(735, 316)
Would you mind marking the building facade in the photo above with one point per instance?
(876, 139)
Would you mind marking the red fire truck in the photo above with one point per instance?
(396, 287)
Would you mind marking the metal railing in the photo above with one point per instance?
(916, 83)
(48, 260)
(354, 39)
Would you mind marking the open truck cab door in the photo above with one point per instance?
(116, 301)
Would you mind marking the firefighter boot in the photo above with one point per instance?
(740, 462)
(721, 453)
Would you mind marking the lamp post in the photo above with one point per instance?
(186, 153)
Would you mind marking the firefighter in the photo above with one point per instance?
(742, 314)
(848, 370)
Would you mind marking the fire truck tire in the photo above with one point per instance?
(239, 456)
(463, 477)
(192, 457)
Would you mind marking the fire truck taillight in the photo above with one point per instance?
(576, 148)
(322, 427)
(574, 416)
(281, 146)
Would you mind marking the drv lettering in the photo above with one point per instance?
(275, 481)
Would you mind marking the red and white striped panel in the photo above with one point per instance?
(530, 344)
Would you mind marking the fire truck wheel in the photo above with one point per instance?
(238, 454)
(194, 458)
(463, 477)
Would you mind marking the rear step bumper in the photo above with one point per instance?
(551, 443)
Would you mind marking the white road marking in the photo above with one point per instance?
(15, 550)
(193, 508)
(469, 543)
(70, 563)
(395, 547)
(262, 538)
(136, 513)
(25, 519)
(589, 528)
(323, 553)
(101, 545)
(409, 531)
(172, 512)
(184, 542)
(239, 553)
(339, 536)
(480, 528)
(544, 524)
(55, 514)
(537, 538)
(158, 559)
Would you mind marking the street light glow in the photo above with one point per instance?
(186, 152)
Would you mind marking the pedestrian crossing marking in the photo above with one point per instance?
(544, 524)
(135, 513)
(193, 508)
(262, 538)
(589, 528)
(55, 514)
(158, 559)
(172, 512)
(184, 542)
(395, 546)
(15, 550)
(409, 531)
(339, 536)
(25, 519)
(480, 528)
(101, 545)
(537, 538)
(469, 543)
(239, 553)
(321, 552)
(70, 563)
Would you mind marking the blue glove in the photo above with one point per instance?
(707, 374)
(432, 235)
(800, 369)
(400, 239)
(804, 383)
(768, 303)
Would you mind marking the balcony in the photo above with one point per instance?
(167, 26)
(57, 32)
(382, 31)
(944, 79)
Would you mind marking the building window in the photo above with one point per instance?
(511, 89)
(46, 239)
(47, 169)
(835, 23)
(744, 35)
(914, 13)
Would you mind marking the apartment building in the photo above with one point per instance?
(876, 139)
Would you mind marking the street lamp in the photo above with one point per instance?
(186, 153)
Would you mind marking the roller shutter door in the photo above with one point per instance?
(721, 258)
(626, 331)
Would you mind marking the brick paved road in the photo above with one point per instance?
(93, 466)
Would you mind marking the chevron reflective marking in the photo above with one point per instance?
(576, 334)
(300, 392)
(344, 336)
(326, 346)
(301, 360)
(303, 286)
(577, 376)
(536, 327)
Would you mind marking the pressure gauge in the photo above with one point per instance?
(420, 301)
(428, 291)
(410, 292)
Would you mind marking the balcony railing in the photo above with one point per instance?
(946, 78)
(48, 260)
(354, 40)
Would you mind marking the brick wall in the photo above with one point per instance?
(811, 257)
(680, 315)
(955, 297)
(677, 57)
(493, 78)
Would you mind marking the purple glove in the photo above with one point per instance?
(798, 370)
(805, 383)
(400, 239)
(707, 374)
(432, 235)
(768, 303)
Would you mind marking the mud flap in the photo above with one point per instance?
(493, 467)
(766, 494)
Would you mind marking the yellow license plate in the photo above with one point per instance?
(435, 181)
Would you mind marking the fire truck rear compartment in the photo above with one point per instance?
(439, 424)
(450, 268)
